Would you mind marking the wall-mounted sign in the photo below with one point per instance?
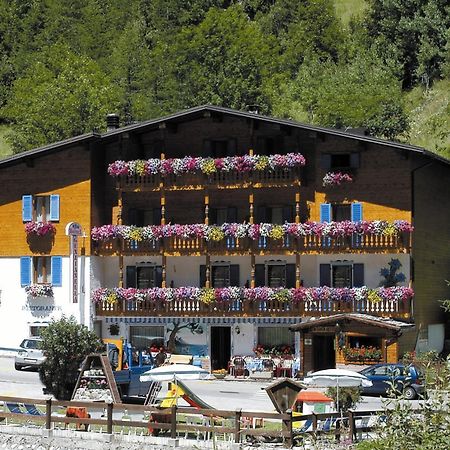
(308, 341)
(73, 229)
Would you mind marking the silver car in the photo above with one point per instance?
(30, 354)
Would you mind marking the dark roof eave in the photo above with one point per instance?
(55, 146)
(219, 109)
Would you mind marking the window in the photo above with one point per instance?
(220, 276)
(219, 216)
(42, 269)
(340, 212)
(364, 341)
(276, 275)
(143, 217)
(144, 276)
(36, 330)
(340, 161)
(274, 336)
(142, 338)
(274, 214)
(40, 208)
(219, 148)
(341, 276)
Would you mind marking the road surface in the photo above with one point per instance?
(220, 394)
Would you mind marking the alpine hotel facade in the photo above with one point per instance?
(221, 232)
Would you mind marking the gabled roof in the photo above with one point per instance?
(47, 149)
(366, 319)
(199, 111)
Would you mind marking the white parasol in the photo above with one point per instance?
(336, 378)
(175, 371)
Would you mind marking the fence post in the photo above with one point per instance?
(173, 422)
(351, 424)
(109, 418)
(48, 414)
(237, 426)
(287, 426)
(314, 422)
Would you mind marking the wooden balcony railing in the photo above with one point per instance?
(252, 308)
(278, 177)
(175, 245)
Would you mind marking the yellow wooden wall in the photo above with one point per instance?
(66, 173)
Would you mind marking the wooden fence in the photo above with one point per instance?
(235, 424)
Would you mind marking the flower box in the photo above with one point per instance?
(336, 179)
(40, 229)
(39, 290)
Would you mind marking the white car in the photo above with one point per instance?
(30, 354)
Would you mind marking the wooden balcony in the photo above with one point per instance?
(252, 308)
(279, 177)
(288, 245)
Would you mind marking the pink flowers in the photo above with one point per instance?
(39, 290)
(336, 179)
(207, 166)
(258, 294)
(40, 228)
(332, 230)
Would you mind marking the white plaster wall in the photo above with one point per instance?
(18, 312)
(373, 263)
(184, 270)
(244, 342)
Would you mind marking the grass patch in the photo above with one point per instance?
(345, 9)
(5, 148)
(429, 113)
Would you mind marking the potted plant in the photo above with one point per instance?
(220, 373)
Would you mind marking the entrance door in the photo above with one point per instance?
(220, 347)
(323, 351)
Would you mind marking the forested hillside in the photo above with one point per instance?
(379, 64)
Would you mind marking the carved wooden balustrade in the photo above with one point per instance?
(252, 308)
(221, 180)
(176, 245)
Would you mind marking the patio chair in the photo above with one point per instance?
(238, 366)
(31, 409)
(14, 408)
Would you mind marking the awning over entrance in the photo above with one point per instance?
(349, 321)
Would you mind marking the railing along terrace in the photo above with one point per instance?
(254, 302)
(196, 172)
(145, 422)
(243, 238)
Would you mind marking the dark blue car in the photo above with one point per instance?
(405, 379)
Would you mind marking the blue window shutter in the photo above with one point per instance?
(325, 212)
(27, 208)
(57, 270)
(25, 271)
(357, 212)
(54, 207)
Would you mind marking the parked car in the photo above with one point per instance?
(30, 354)
(405, 379)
